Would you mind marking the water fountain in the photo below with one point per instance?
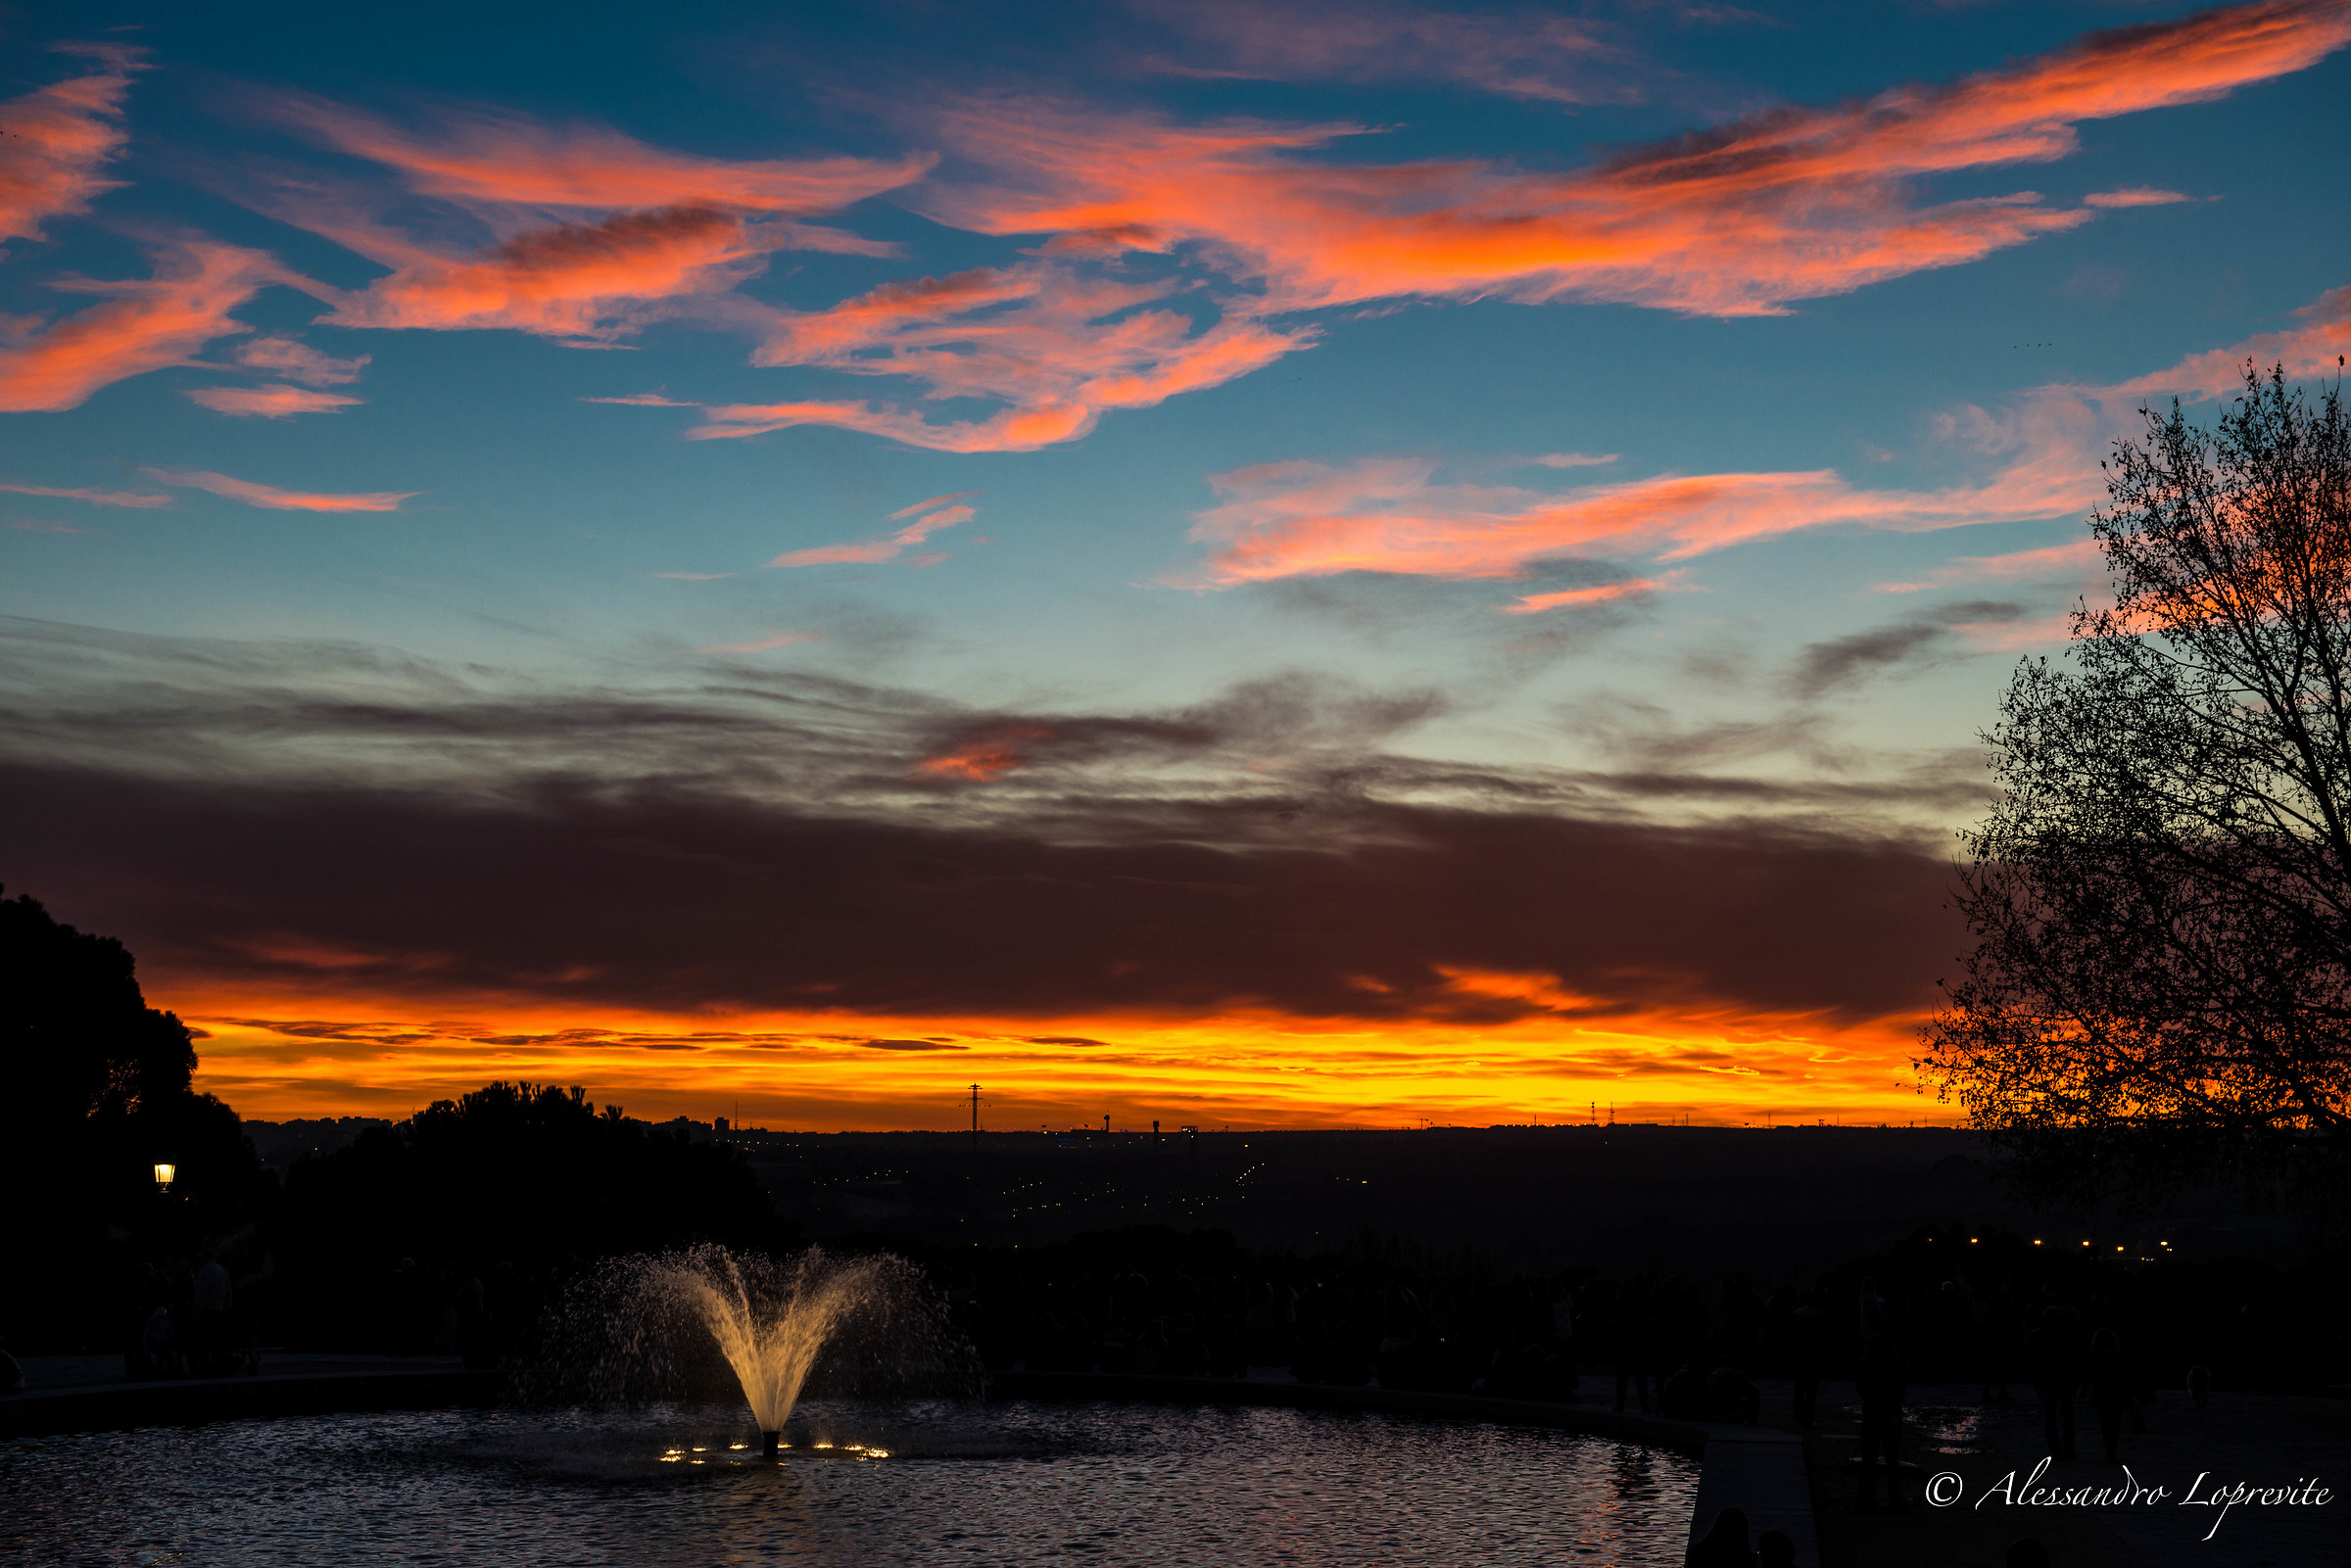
(771, 1321)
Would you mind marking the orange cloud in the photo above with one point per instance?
(1390, 514)
(889, 547)
(1605, 593)
(271, 496)
(1059, 345)
(985, 757)
(1790, 205)
(59, 137)
(276, 401)
(589, 282)
(597, 233)
(2134, 196)
(2306, 350)
(96, 498)
(143, 326)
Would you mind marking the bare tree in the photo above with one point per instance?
(2161, 900)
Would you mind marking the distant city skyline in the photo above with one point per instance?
(1289, 564)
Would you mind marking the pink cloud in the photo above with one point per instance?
(1741, 220)
(141, 325)
(59, 138)
(1056, 345)
(1604, 593)
(271, 496)
(2079, 559)
(2306, 350)
(96, 498)
(762, 645)
(887, 547)
(1391, 514)
(296, 361)
(276, 401)
(587, 282)
(593, 233)
(934, 502)
(2134, 196)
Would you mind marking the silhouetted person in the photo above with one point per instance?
(2026, 1554)
(2110, 1380)
(1775, 1548)
(1881, 1381)
(159, 1344)
(2050, 1352)
(1725, 1545)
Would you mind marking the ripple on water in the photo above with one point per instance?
(919, 1483)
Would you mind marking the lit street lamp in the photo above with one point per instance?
(165, 1171)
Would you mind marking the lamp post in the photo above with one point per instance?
(165, 1171)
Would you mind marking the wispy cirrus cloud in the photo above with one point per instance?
(96, 498)
(274, 400)
(761, 644)
(141, 324)
(482, 156)
(1599, 593)
(60, 138)
(2079, 559)
(1058, 342)
(1741, 220)
(1394, 514)
(2134, 196)
(295, 361)
(1527, 54)
(276, 500)
(2308, 348)
(889, 547)
(590, 233)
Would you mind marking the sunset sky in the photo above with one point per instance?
(1255, 563)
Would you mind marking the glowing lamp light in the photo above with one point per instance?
(165, 1171)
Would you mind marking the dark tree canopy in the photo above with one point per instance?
(76, 1037)
(518, 1171)
(2161, 900)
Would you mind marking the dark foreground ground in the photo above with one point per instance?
(1774, 1204)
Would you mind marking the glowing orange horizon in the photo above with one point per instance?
(274, 1057)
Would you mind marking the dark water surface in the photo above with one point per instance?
(916, 1483)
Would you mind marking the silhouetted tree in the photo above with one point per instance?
(2161, 900)
(76, 1037)
(97, 1088)
(520, 1179)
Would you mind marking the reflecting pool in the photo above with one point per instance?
(860, 1483)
